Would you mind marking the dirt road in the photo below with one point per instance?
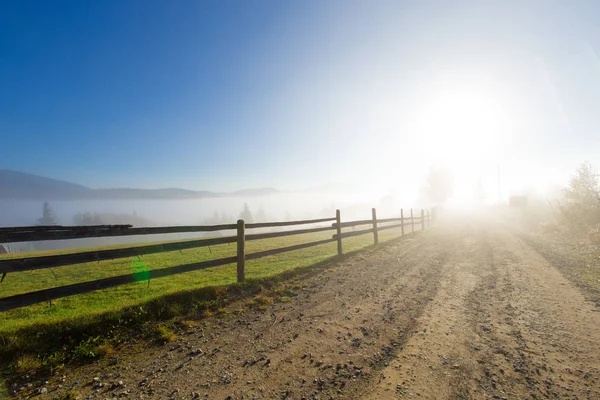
(452, 313)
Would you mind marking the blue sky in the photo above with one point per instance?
(226, 95)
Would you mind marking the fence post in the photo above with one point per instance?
(422, 220)
(241, 251)
(412, 221)
(402, 220)
(428, 220)
(375, 234)
(338, 224)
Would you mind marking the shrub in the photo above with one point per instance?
(580, 205)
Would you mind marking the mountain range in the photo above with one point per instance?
(20, 185)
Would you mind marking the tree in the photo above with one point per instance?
(214, 220)
(580, 205)
(246, 214)
(261, 216)
(48, 216)
(440, 185)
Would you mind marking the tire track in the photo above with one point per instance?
(503, 325)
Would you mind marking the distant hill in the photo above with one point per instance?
(171, 193)
(20, 185)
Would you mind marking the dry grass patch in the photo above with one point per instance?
(262, 299)
(165, 334)
(284, 299)
(186, 323)
(27, 363)
(105, 350)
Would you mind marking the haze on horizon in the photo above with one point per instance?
(224, 96)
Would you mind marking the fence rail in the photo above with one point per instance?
(36, 233)
(65, 232)
(32, 263)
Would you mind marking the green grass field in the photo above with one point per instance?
(91, 304)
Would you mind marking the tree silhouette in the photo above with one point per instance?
(216, 219)
(246, 214)
(261, 216)
(48, 216)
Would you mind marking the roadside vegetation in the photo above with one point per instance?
(567, 228)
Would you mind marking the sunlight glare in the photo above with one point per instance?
(466, 127)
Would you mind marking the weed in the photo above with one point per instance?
(221, 292)
(284, 299)
(87, 349)
(261, 299)
(188, 324)
(165, 334)
(104, 350)
(174, 310)
(26, 363)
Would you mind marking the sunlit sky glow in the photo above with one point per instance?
(229, 95)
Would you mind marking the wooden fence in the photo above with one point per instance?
(40, 233)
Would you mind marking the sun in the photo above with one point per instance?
(463, 124)
(466, 127)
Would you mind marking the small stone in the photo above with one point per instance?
(43, 390)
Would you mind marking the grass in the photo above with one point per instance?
(47, 336)
(585, 266)
(136, 293)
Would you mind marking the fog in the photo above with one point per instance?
(283, 206)
(278, 207)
